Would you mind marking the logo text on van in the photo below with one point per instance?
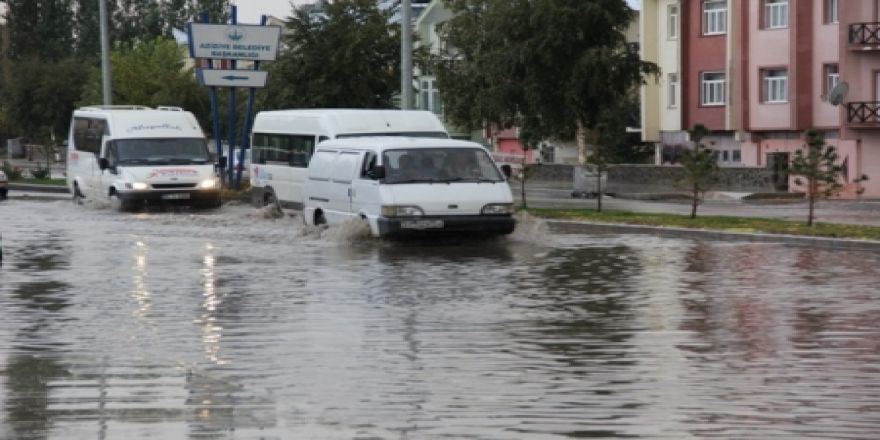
(175, 172)
(144, 127)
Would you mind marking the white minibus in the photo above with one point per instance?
(283, 141)
(132, 155)
(406, 186)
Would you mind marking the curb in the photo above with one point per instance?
(669, 232)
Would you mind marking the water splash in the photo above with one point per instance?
(352, 230)
(531, 230)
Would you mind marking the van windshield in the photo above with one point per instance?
(443, 165)
(161, 151)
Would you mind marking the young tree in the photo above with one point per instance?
(40, 96)
(151, 73)
(815, 166)
(700, 167)
(349, 58)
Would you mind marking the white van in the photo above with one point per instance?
(404, 186)
(283, 141)
(131, 155)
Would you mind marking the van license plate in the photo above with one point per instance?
(421, 224)
(175, 196)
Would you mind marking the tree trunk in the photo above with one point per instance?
(523, 183)
(696, 197)
(812, 196)
(599, 189)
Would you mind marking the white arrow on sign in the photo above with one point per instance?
(233, 78)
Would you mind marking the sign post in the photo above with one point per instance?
(235, 43)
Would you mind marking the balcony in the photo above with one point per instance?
(863, 114)
(864, 36)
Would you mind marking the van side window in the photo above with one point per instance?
(87, 133)
(280, 149)
(369, 163)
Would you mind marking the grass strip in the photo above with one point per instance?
(716, 223)
(47, 181)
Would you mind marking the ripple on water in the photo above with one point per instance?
(232, 323)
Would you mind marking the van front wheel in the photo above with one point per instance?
(77, 195)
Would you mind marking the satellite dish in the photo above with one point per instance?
(837, 94)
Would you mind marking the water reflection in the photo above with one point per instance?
(27, 402)
(221, 326)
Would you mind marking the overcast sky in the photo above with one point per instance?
(249, 11)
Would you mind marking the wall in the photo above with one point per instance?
(826, 48)
(666, 179)
(767, 48)
(701, 53)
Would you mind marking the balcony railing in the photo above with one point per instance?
(864, 113)
(864, 33)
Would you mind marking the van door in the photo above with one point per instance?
(109, 175)
(88, 135)
(344, 170)
(365, 190)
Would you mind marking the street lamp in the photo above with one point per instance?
(105, 55)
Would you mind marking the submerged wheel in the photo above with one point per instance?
(121, 205)
(320, 219)
(77, 194)
(270, 200)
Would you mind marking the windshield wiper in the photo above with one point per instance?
(133, 161)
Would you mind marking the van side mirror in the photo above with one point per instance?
(103, 163)
(507, 170)
(376, 173)
(221, 163)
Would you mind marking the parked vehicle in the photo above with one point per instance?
(282, 143)
(404, 186)
(132, 155)
(4, 185)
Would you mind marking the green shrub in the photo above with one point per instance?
(41, 172)
(13, 173)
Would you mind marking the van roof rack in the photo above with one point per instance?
(116, 107)
(169, 108)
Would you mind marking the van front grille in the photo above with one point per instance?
(173, 185)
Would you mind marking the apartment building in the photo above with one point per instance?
(758, 74)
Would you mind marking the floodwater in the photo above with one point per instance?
(231, 324)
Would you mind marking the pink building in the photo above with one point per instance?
(758, 74)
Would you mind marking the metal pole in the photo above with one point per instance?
(406, 52)
(107, 86)
(232, 115)
(245, 138)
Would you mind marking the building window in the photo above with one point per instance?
(673, 90)
(737, 156)
(775, 85)
(775, 14)
(672, 22)
(832, 77)
(714, 17)
(430, 97)
(832, 11)
(713, 88)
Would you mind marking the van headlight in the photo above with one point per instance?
(208, 184)
(498, 209)
(402, 211)
(137, 186)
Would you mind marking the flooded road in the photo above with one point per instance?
(235, 325)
